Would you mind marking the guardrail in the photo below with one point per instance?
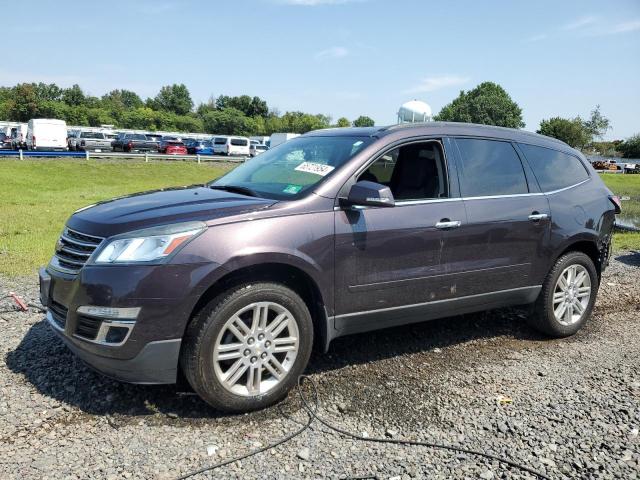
(146, 155)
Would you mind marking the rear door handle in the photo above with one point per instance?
(536, 217)
(444, 224)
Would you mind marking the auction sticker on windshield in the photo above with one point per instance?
(317, 168)
(292, 189)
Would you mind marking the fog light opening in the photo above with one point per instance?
(116, 334)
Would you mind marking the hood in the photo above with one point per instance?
(161, 207)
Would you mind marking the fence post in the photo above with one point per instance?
(198, 158)
(20, 152)
(146, 157)
(86, 154)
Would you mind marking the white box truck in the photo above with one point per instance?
(46, 134)
(278, 138)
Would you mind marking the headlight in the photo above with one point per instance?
(149, 244)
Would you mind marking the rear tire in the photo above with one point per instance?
(242, 333)
(567, 297)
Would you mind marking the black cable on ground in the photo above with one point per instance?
(313, 415)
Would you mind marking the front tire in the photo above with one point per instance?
(567, 297)
(246, 348)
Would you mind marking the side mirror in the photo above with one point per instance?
(370, 194)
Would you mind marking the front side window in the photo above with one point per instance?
(294, 167)
(412, 172)
(490, 167)
(553, 169)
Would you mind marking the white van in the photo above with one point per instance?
(46, 134)
(233, 146)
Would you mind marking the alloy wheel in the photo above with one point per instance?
(256, 348)
(571, 294)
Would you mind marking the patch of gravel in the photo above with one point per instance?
(568, 408)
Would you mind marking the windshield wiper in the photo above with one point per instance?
(236, 189)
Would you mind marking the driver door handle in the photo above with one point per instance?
(446, 223)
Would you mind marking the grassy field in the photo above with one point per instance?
(626, 186)
(39, 195)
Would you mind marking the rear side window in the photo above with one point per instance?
(553, 169)
(490, 167)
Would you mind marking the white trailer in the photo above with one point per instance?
(278, 138)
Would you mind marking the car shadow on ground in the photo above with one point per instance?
(632, 259)
(45, 362)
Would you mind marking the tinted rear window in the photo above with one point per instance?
(220, 141)
(137, 136)
(490, 167)
(553, 169)
(91, 135)
(239, 142)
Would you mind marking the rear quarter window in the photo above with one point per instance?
(490, 167)
(553, 169)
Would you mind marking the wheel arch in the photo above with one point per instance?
(591, 246)
(292, 276)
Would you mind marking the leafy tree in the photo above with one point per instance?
(228, 121)
(597, 125)
(251, 107)
(343, 122)
(47, 91)
(363, 121)
(570, 131)
(24, 104)
(174, 98)
(74, 96)
(630, 148)
(487, 104)
(122, 99)
(576, 132)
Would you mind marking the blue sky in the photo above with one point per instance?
(341, 57)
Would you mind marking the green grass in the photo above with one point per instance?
(39, 195)
(626, 186)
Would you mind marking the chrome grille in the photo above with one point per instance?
(73, 250)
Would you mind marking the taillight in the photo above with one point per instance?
(33, 141)
(130, 145)
(615, 199)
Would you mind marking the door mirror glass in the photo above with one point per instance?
(370, 194)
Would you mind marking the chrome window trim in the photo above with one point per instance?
(567, 188)
(514, 195)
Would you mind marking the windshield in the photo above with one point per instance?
(294, 167)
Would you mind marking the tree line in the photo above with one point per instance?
(173, 109)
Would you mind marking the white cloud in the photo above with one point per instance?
(625, 27)
(580, 23)
(333, 52)
(431, 84)
(314, 3)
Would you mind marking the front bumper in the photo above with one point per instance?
(165, 296)
(156, 363)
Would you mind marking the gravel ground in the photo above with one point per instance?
(568, 408)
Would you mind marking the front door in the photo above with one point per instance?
(391, 258)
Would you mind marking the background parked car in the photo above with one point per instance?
(172, 147)
(5, 142)
(231, 146)
(199, 147)
(133, 142)
(257, 149)
(46, 134)
(19, 136)
(92, 141)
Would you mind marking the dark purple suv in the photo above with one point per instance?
(335, 232)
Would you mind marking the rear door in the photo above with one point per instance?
(508, 218)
